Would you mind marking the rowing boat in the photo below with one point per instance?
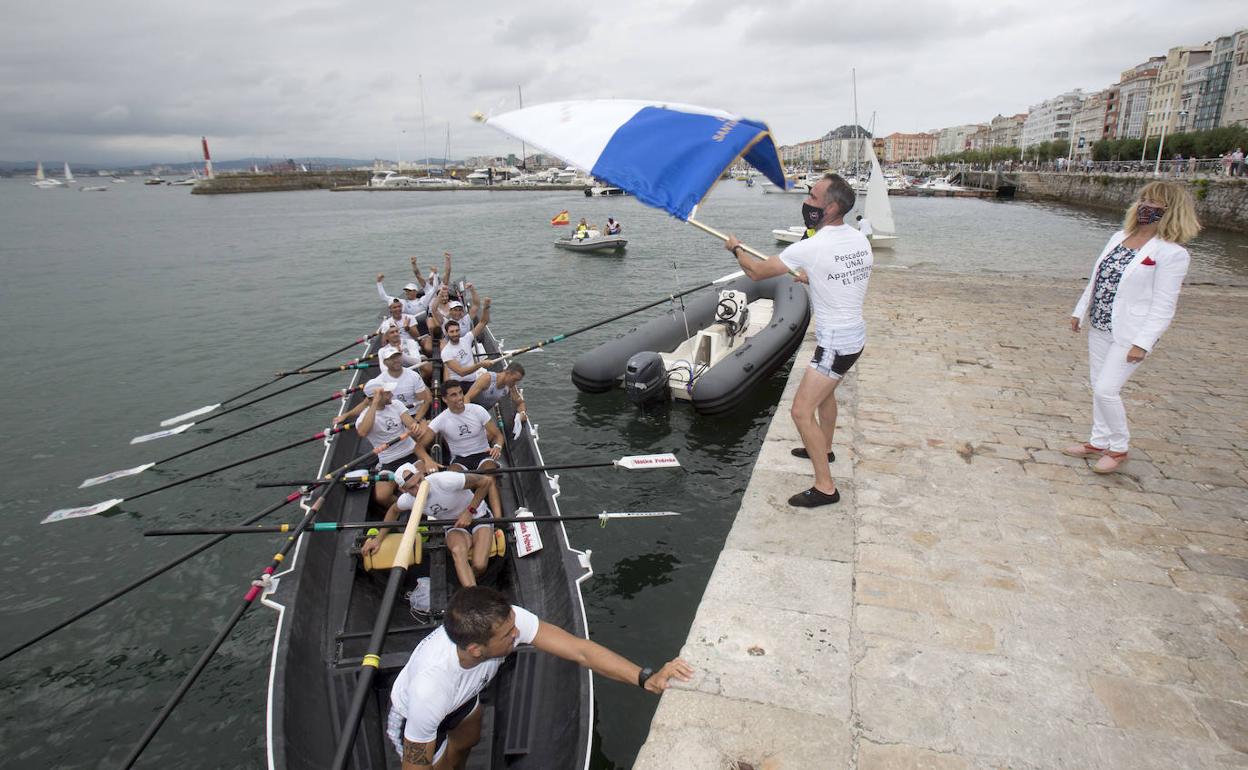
(538, 712)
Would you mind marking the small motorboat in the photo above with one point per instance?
(603, 190)
(711, 352)
(593, 242)
(93, 189)
(791, 234)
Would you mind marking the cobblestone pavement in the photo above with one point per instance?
(979, 600)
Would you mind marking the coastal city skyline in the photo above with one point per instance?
(179, 73)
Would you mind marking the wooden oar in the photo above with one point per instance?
(293, 496)
(372, 658)
(333, 526)
(91, 510)
(187, 426)
(249, 391)
(618, 316)
(140, 468)
(630, 462)
(256, 589)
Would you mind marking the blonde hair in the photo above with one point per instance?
(1179, 224)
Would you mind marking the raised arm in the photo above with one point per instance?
(420, 279)
(382, 289)
(446, 268)
(485, 316)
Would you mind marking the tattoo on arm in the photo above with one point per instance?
(417, 753)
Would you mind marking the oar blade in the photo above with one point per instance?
(77, 513)
(646, 462)
(188, 415)
(107, 477)
(161, 434)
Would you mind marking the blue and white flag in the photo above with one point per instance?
(668, 155)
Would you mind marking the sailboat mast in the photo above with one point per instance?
(447, 152)
(853, 74)
(523, 152)
(423, 132)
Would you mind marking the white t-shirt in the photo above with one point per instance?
(411, 352)
(408, 385)
(491, 394)
(838, 261)
(433, 683)
(448, 496)
(404, 321)
(412, 307)
(461, 353)
(464, 432)
(864, 227)
(386, 426)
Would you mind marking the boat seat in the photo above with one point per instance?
(385, 556)
(521, 722)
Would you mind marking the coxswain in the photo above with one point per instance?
(457, 351)
(492, 387)
(409, 389)
(435, 713)
(384, 419)
(453, 496)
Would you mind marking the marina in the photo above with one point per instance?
(244, 249)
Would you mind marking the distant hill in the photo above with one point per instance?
(20, 167)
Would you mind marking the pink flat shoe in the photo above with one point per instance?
(1109, 462)
(1082, 450)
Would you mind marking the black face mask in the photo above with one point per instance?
(811, 215)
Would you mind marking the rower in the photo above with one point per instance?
(473, 439)
(452, 496)
(385, 419)
(413, 303)
(406, 324)
(457, 351)
(431, 284)
(411, 351)
(492, 387)
(434, 706)
(409, 389)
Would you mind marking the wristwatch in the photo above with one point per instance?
(645, 673)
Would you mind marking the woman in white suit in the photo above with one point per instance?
(1128, 303)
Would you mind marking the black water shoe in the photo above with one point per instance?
(813, 498)
(802, 453)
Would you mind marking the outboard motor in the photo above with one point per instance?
(645, 378)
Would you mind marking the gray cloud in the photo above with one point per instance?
(132, 81)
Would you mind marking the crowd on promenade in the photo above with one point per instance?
(1229, 165)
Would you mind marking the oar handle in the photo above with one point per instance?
(724, 237)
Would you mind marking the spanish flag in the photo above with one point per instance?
(561, 218)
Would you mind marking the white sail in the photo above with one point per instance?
(877, 208)
(69, 175)
(39, 177)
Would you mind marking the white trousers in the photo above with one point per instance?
(1109, 369)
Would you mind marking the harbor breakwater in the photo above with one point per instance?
(249, 183)
(1220, 202)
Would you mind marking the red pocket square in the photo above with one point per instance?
(1148, 261)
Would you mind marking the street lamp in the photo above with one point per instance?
(1162, 142)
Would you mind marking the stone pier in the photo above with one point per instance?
(978, 599)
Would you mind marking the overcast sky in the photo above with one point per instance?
(131, 82)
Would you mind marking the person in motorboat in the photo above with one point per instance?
(406, 324)
(582, 230)
(385, 419)
(492, 387)
(409, 389)
(836, 264)
(864, 226)
(435, 713)
(457, 351)
(473, 439)
(452, 496)
(613, 227)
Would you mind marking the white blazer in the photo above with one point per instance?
(1147, 293)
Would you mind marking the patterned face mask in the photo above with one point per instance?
(1147, 213)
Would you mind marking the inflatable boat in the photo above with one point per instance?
(710, 353)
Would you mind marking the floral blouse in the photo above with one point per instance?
(1107, 276)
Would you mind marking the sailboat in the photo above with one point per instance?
(877, 209)
(69, 175)
(41, 179)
